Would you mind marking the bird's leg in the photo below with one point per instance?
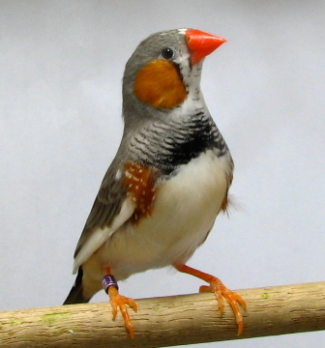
(117, 301)
(220, 290)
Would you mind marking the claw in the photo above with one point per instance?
(221, 291)
(234, 300)
(119, 302)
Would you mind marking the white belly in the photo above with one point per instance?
(184, 211)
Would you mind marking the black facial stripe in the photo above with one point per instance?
(178, 71)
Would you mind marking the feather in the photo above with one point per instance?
(101, 235)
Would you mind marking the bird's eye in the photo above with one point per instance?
(167, 53)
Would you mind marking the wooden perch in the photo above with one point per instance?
(167, 321)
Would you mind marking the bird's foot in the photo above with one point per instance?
(221, 291)
(119, 302)
(234, 300)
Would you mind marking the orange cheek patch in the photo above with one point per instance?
(140, 185)
(159, 84)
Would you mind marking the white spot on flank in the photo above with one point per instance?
(118, 175)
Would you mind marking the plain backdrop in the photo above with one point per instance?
(61, 65)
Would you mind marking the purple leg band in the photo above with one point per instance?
(108, 281)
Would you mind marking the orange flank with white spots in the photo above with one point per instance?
(140, 183)
(160, 85)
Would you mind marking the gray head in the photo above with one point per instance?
(159, 74)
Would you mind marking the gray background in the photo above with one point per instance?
(61, 64)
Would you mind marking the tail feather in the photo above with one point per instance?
(75, 295)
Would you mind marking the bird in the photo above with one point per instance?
(168, 182)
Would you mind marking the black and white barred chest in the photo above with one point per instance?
(167, 146)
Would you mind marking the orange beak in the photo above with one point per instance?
(201, 44)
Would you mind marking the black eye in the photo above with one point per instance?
(167, 53)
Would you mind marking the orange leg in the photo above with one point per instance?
(221, 291)
(119, 302)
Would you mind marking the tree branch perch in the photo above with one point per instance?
(168, 321)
